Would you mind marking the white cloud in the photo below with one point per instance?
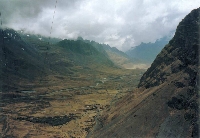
(119, 23)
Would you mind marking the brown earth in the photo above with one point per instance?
(63, 106)
(166, 102)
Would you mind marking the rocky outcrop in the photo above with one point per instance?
(179, 55)
(165, 103)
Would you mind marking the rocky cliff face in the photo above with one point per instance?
(179, 55)
(166, 101)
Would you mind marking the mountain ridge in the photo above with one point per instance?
(146, 52)
(26, 59)
(166, 101)
(118, 57)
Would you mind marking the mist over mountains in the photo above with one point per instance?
(26, 57)
(120, 24)
(52, 87)
(166, 101)
(147, 52)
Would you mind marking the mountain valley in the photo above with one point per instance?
(56, 88)
(165, 104)
(53, 88)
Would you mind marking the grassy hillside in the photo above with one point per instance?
(28, 58)
(118, 57)
(84, 53)
(19, 61)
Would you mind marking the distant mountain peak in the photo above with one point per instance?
(147, 52)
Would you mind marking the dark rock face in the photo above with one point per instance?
(171, 109)
(184, 48)
(180, 55)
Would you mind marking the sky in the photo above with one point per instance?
(120, 23)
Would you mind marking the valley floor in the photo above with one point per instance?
(63, 106)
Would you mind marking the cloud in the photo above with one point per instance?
(119, 23)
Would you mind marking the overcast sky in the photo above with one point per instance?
(119, 23)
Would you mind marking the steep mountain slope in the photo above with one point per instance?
(28, 59)
(84, 54)
(19, 62)
(122, 59)
(146, 52)
(166, 102)
(118, 57)
(72, 52)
